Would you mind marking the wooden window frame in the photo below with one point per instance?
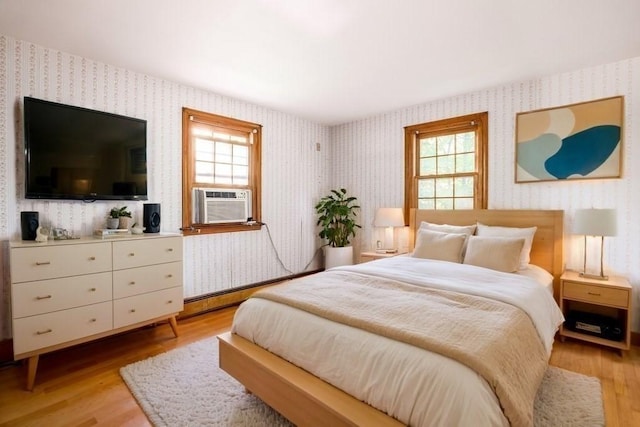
(479, 121)
(190, 116)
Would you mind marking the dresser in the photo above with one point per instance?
(68, 292)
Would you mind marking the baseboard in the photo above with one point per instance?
(218, 300)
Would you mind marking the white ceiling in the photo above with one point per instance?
(334, 61)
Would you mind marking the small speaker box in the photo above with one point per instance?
(151, 217)
(29, 225)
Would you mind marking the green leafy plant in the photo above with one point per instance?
(337, 217)
(119, 212)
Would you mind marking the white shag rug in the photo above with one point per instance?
(185, 387)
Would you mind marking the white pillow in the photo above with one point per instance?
(467, 230)
(526, 233)
(439, 246)
(496, 253)
(446, 228)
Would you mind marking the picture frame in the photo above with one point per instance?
(570, 142)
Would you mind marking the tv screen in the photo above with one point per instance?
(81, 154)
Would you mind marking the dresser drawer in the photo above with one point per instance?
(139, 308)
(140, 280)
(36, 332)
(138, 253)
(50, 262)
(596, 294)
(31, 298)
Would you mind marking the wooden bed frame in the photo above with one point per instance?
(307, 400)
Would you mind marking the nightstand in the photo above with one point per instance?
(373, 255)
(597, 311)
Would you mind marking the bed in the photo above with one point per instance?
(291, 356)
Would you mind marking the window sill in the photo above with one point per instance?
(199, 229)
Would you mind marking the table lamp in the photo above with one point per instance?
(388, 218)
(595, 222)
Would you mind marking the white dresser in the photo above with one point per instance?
(71, 291)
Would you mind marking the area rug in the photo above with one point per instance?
(185, 387)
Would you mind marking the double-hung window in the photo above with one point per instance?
(446, 164)
(219, 153)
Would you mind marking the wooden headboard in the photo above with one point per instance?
(547, 248)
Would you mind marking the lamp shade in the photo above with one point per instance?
(389, 217)
(595, 222)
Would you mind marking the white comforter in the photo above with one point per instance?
(413, 385)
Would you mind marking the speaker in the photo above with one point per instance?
(29, 224)
(151, 217)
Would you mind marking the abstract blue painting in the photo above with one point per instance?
(575, 141)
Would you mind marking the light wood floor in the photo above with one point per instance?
(81, 386)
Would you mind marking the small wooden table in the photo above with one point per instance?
(611, 298)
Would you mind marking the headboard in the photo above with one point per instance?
(547, 248)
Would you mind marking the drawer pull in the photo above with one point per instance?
(133, 310)
(132, 254)
(595, 294)
(92, 258)
(44, 297)
(43, 262)
(170, 301)
(170, 250)
(92, 320)
(169, 276)
(92, 290)
(44, 332)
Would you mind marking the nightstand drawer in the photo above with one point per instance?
(596, 294)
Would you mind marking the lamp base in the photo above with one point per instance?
(594, 276)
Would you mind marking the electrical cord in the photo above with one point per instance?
(275, 250)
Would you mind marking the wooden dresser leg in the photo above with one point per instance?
(32, 367)
(174, 325)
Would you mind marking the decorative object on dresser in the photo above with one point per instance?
(29, 224)
(597, 311)
(389, 218)
(151, 218)
(122, 215)
(72, 291)
(595, 222)
(337, 219)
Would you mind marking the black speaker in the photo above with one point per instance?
(29, 225)
(151, 217)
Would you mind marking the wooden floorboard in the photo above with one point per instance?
(81, 386)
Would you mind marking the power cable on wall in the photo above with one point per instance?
(275, 250)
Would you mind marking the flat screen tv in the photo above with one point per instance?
(81, 154)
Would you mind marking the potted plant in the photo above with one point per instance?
(119, 218)
(337, 219)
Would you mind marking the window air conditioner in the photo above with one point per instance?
(216, 206)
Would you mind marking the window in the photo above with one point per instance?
(222, 153)
(446, 164)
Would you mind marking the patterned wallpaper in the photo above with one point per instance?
(365, 156)
(368, 160)
(212, 262)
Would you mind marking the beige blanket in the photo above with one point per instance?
(495, 339)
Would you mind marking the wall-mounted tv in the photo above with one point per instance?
(81, 154)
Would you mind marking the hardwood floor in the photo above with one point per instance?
(81, 386)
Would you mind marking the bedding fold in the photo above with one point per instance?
(468, 328)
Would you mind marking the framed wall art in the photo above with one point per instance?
(577, 141)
